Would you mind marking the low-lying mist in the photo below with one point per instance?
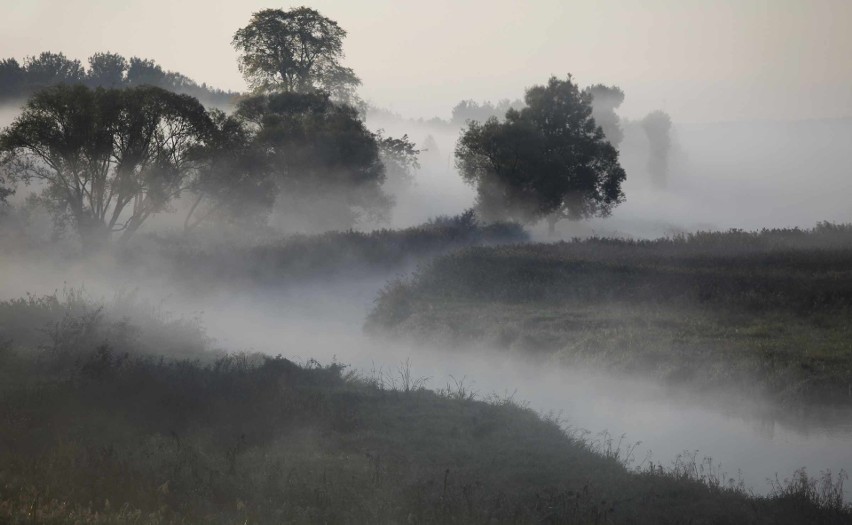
(752, 441)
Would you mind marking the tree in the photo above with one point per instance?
(657, 126)
(294, 51)
(49, 69)
(324, 160)
(548, 160)
(471, 110)
(142, 72)
(107, 70)
(605, 100)
(233, 180)
(399, 157)
(12, 79)
(108, 158)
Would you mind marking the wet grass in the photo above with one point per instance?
(95, 430)
(765, 311)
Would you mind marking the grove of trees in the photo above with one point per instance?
(109, 70)
(550, 160)
(110, 145)
(106, 148)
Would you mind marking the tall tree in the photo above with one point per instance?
(548, 160)
(294, 51)
(108, 158)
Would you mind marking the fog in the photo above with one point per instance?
(753, 441)
(298, 279)
(748, 175)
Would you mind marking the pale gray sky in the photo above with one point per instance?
(700, 60)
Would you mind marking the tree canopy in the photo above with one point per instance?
(108, 70)
(472, 110)
(548, 160)
(108, 159)
(294, 51)
(233, 179)
(320, 151)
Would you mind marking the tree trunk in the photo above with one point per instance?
(551, 225)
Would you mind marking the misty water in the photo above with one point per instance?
(748, 440)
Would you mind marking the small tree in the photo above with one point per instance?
(106, 70)
(399, 156)
(294, 51)
(107, 158)
(657, 126)
(548, 160)
(605, 100)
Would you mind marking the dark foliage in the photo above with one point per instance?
(766, 310)
(108, 70)
(108, 436)
(107, 158)
(548, 160)
(296, 51)
(320, 150)
(330, 255)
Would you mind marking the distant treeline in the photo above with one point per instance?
(18, 81)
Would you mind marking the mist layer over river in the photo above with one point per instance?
(745, 439)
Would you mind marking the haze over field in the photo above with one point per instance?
(483, 261)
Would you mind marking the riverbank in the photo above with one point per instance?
(99, 428)
(767, 312)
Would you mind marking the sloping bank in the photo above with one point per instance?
(767, 312)
(95, 428)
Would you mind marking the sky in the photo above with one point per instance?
(699, 60)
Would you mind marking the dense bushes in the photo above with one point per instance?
(333, 254)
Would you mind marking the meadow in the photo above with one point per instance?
(99, 427)
(767, 312)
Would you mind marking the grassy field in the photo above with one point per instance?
(96, 428)
(767, 311)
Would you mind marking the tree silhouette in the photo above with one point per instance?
(108, 158)
(548, 160)
(107, 70)
(294, 51)
(657, 126)
(320, 152)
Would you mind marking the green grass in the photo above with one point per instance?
(767, 311)
(93, 431)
